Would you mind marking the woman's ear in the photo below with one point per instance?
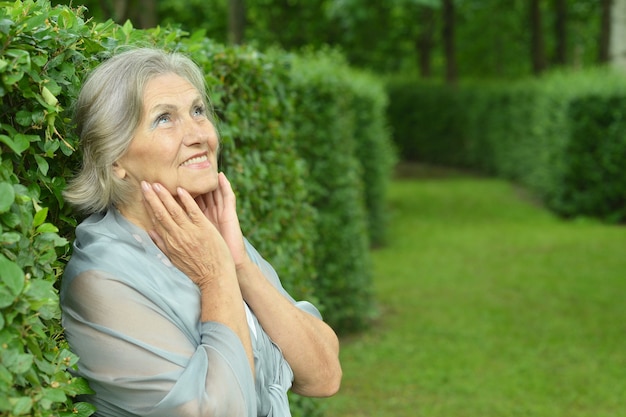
(118, 170)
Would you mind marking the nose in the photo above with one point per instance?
(195, 132)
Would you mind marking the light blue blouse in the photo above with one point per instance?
(134, 320)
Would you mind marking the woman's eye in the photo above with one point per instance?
(164, 118)
(199, 111)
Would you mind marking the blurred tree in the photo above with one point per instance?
(490, 38)
(537, 47)
(617, 29)
(236, 21)
(425, 42)
(605, 32)
(143, 13)
(448, 38)
(560, 32)
(208, 15)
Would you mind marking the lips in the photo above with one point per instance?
(195, 160)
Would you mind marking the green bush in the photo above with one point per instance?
(325, 125)
(41, 62)
(426, 122)
(559, 136)
(374, 147)
(594, 178)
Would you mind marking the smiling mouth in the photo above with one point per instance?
(195, 160)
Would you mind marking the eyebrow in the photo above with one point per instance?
(166, 107)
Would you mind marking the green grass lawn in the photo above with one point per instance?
(489, 306)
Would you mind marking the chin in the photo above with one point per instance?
(200, 189)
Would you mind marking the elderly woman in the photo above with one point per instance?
(170, 309)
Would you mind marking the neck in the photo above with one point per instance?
(137, 214)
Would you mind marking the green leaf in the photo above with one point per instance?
(7, 196)
(42, 164)
(6, 378)
(127, 28)
(17, 362)
(26, 138)
(23, 118)
(12, 78)
(22, 405)
(9, 238)
(41, 290)
(70, 358)
(83, 409)
(47, 228)
(17, 145)
(34, 348)
(35, 21)
(12, 282)
(6, 25)
(50, 147)
(48, 97)
(40, 216)
(78, 386)
(10, 219)
(55, 395)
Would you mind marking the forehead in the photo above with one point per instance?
(168, 88)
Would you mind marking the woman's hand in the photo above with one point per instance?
(186, 236)
(195, 246)
(220, 208)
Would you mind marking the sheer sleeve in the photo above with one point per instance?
(140, 361)
(270, 273)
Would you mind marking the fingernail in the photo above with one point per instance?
(145, 186)
(156, 187)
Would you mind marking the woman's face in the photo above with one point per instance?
(175, 143)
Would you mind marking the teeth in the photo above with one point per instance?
(195, 160)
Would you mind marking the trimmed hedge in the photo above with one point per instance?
(594, 160)
(560, 136)
(325, 125)
(284, 148)
(374, 148)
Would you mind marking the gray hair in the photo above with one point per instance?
(107, 112)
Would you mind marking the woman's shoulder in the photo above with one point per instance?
(110, 244)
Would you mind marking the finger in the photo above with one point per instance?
(226, 188)
(154, 235)
(200, 201)
(192, 209)
(206, 205)
(166, 212)
(156, 238)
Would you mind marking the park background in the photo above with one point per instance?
(337, 118)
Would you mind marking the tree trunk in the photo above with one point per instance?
(425, 40)
(560, 32)
(604, 50)
(236, 21)
(448, 41)
(107, 10)
(120, 11)
(146, 14)
(537, 48)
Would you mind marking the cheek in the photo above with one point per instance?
(150, 162)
